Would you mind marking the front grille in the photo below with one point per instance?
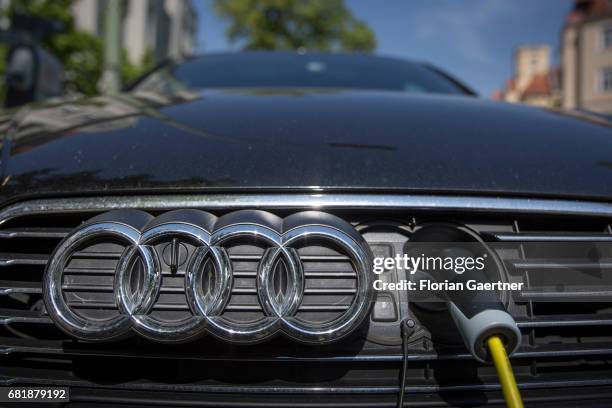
(565, 345)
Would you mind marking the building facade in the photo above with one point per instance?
(165, 28)
(534, 82)
(586, 57)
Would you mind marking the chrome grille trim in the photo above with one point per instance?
(318, 201)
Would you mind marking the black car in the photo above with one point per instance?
(206, 238)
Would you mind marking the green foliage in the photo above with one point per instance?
(80, 52)
(59, 10)
(130, 72)
(81, 55)
(290, 24)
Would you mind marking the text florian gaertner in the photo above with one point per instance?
(422, 263)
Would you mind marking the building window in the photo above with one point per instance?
(606, 79)
(607, 38)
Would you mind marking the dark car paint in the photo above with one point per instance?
(269, 139)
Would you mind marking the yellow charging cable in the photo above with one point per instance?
(504, 372)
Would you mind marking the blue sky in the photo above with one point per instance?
(472, 39)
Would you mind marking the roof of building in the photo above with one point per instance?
(588, 9)
(540, 85)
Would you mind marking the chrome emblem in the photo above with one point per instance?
(209, 276)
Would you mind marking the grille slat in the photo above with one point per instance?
(11, 316)
(11, 233)
(10, 377)
(565, 321)
(109, 288)
(547, 237)
(325, 258)
(7, 315)
(23, 259)
(96, 255)
(10, 346)
(11, 287)
(167, 306)
(566, 264)
(585, 295)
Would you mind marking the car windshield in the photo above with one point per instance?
(295, 70)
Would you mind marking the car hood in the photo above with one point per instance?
(270, 139)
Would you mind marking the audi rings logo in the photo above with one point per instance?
(208, 275)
